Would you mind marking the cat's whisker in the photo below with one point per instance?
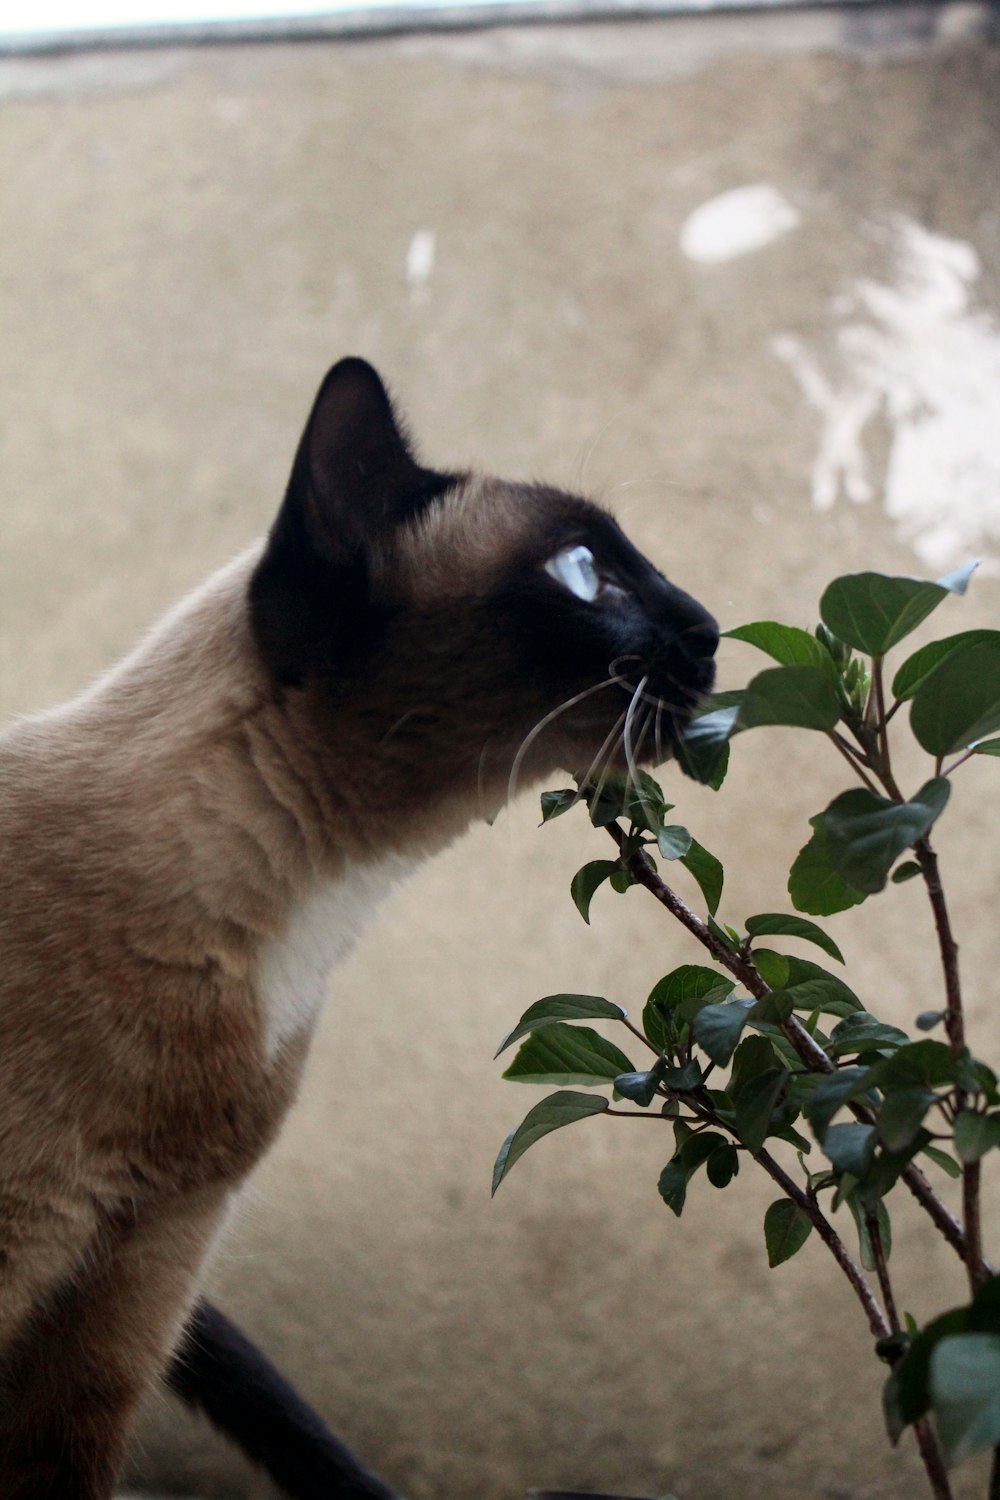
(393, 728)
(605, 750)
(644, 729)
(602, 780)
(542, 724)
(633, 770)
(595, 440)
(654, 699)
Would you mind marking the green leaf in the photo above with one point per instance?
(775, 1008)
(672, 1186)
(754, 1105)
(707, 871)
(586, 881)
(927, 1063)
(800, 696)
(959, 702)
(774, 924)
(943, 1160)
(718, 1028)
(676, 997)
(965, 1393)
(813, 883)
(918, 667)
(861, 1032)
(678, 1172)
(753, 1056)
(866, 834)
(976, 1077)
(723, 1165)
(703, 749)
(685, 1078)
(554, 804)
(902, 1115)
(550, 1114)
(787, 644)
(906, 871)
(831, 1093)
(567, 1055)
(873, 612)
(688, 987)
(607, 800)
(807, 985)
(640, 1088)
(562, 1008)
(673, 841)
(850, 1148)
(910, 1395)
(786, 1229)
(644, 804)
(975, 1134)
(988, 747)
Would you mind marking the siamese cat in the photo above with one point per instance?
(192, 843)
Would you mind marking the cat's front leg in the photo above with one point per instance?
(71, 1383)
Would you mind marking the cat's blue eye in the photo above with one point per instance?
(575, 569)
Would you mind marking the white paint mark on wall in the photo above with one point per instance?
(420, 264)
(930, 362)
(735, 223)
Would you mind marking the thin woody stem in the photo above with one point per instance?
(882, 1268)
(640, 1034)
(930, 1452)
(877, 1320)
(954, 1022)
(851, 757)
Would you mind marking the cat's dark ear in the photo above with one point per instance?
(353, 481)
(354, 477)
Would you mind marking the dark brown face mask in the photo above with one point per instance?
(446, 619)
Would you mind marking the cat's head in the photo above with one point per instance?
(443, 633)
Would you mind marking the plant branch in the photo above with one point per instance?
(741, 968)
(947, 770)
(930, 1452)
(954, 1022)
(641, 1114)
(883, 735)
(877, 1321)
(954, 1019)
(852, 758)
(807, 1048)
(640, 1034)
(882, 1268)
(979, 1270)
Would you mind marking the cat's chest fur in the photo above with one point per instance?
(293, 967)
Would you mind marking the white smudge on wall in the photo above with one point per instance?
(922, 354)
(420, 264)
(735, 223)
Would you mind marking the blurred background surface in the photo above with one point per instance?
(738, 277)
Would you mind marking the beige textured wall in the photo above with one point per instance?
(188, 239)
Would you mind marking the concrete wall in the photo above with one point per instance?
(188, 239)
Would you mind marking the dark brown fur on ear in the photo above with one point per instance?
(354, 480)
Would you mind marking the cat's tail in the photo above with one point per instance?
(220, 1372)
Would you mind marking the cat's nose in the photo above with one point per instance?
(694, 628)
(702, 638)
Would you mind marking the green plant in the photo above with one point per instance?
(755, 1048)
